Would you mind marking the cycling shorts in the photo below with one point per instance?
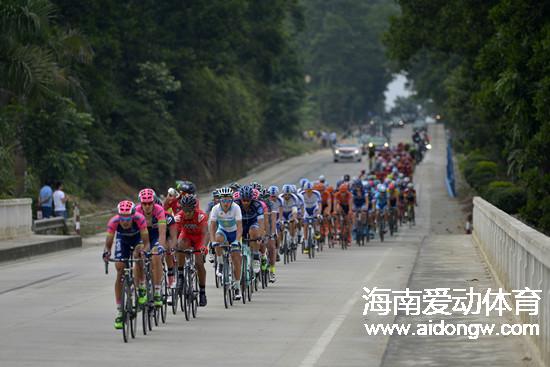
(310, 212)
(197, 241)
(125, 246)
(230, 237)
(248, 227)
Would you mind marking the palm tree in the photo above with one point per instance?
(35, 54)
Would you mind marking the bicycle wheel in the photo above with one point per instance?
(381, 229)
(125, 312)
(230, 281)
(187, 288)
(244, 280)
(164, 289)
(144, 318)
(251, 284)
(195, 304)
(134, 313)
(215, 272)
(175, 297)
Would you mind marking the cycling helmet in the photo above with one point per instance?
(330, 189)
(382, 188)
(391, 186)
(216, 193)
(287, 189)
(294, 189)
(234, 186)
(126, 208)
(255, 185)
(406, 180)
(343, 187)
(273, 190)
(146, 196)
(346, 177)
(188, 201)
(371, 183)
(264, 193)
(410, 185)
(303, 181)
(246, 192)
(236, 195)
(322, 179)
(319, 187)
(308, 186)
(225, 191)
(186, 187)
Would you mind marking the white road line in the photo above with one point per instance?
(324, 340)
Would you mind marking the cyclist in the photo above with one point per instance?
(359, 202)
(410, 196)
(343, 203)
(381, 198)
(226, 226)
(193, 228)
(211, 204)
(312, 208)
(156, 226)
(275, 204)
(345, 179)
(393, 193)
(253, 222)
(290, 204)
(130, 229)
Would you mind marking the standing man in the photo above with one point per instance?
(59, 201)
(45, 200)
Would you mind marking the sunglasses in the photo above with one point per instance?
(125, 219)
(188, 210)
(227, 200)
(146, 204)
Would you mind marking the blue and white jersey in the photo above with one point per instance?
(381, 199)
(292, 202)
(226, 220)
(275, 204)
(311, 201)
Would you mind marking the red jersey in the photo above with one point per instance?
(192, 227)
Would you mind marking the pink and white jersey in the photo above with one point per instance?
(138, 224)
(158, 215)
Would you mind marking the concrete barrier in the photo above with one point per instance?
(520, 257)
(15, 217)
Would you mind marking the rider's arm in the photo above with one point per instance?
(109, 241)
(239, 230)
(144, 233)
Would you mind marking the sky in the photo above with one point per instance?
(396, 88)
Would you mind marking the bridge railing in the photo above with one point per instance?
(520, 257)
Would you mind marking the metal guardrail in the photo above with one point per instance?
(519, 257)
(47, 225)
(450, 177)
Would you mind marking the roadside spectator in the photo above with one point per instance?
(45, 200)
(59, 201)
(333, 138)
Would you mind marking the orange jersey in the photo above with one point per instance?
(343, 198)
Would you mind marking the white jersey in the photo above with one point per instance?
(226, 220)
(292, 202)
(312, 201)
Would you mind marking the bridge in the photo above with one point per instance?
(58, 309)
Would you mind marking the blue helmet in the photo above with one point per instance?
(247, 192)
(273, 190)
(303, 181)
(287, 189)
(308, 186)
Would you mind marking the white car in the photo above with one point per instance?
(349, 152)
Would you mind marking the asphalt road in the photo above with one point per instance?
(58, 310)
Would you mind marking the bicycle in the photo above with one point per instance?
(128, 298)
(226, 281)
(285, 243)
(148, 308)
(333, 234)
(393, 221)
(188, 284)
(310, 237)
(359, 229)
(343, 232)
(264, 272)
(381, 223)
(410, 211)
(247, 273)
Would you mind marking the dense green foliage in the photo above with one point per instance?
(344, 58)
(148, 91)
(485, 64)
